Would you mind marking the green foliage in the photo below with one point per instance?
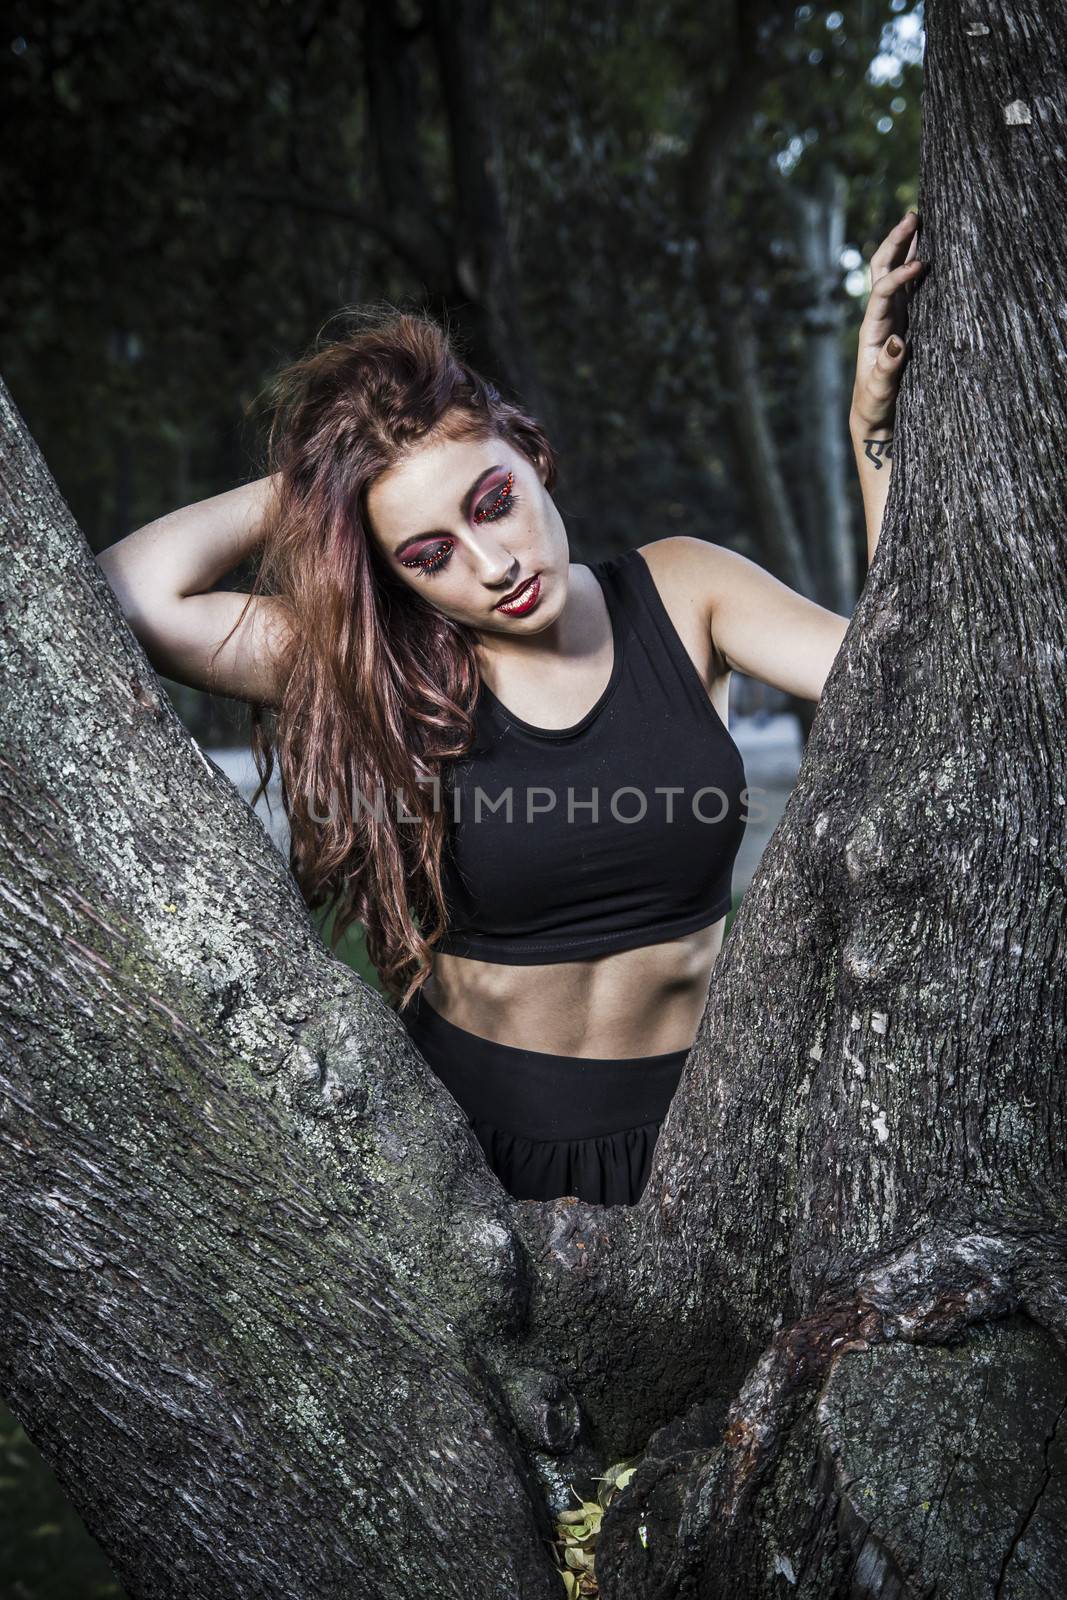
(177, 193)
(351, 949)
(577, 1531)
(45, 1551)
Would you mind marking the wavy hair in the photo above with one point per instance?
(379, 685)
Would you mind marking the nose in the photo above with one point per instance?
(499, 569)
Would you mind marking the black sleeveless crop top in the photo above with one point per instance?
(620, 831)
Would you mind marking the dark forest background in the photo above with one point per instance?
(648, 221)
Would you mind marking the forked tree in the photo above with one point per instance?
(266, 1312)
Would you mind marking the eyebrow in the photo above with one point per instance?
(464, 505)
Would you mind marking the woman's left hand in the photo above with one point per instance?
(882, 344)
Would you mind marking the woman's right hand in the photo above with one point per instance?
(883, 346)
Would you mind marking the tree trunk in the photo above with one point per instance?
(466, 266)
(738, 71)
(819, 222)
(265, 1310)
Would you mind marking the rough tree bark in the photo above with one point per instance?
(266, 1312)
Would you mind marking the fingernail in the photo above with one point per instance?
(894, 346)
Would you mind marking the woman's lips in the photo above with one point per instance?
(523, 598)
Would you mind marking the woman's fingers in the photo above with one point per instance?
(874, 395)
(895, 267)
(898, 249)
(879, 319)
(892, 248)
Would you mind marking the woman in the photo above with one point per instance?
(514, 770)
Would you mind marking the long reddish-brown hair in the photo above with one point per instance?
(379, 685)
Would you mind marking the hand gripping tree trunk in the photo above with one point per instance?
(264, 1309)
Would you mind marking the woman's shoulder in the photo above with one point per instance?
(679, 553)
(685, 572)
(758, 624)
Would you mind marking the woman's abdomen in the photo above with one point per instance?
(638, 1002)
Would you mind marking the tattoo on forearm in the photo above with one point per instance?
(875, 449)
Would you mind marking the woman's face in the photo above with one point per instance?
(465, 523)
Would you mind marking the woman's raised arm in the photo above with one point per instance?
(162, 576)
(882, 349)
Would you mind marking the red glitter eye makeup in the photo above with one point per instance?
(428, 565)
(501, 504)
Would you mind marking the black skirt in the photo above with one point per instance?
(553, 1125)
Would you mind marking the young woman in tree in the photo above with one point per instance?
(513, 769)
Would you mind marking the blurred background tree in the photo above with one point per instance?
(649, 222)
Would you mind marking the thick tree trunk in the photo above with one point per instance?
(252, 1268)
(888, 1021)
(264, 1308)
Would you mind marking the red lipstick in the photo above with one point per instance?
(523, 599)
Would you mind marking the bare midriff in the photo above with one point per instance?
(633, 1003)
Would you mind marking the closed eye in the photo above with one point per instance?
(501, 503)
(431, 563)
